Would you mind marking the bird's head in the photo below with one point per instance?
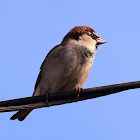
(85, 35)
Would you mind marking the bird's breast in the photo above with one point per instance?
(86, 56)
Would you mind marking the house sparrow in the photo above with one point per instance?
(67, 66)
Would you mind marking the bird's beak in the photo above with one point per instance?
(100, 41)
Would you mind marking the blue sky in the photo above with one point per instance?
(30, 28)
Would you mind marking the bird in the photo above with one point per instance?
(67, 65)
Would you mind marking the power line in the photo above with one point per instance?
(65, 97)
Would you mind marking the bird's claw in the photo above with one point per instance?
(47, 102)
(78, 90)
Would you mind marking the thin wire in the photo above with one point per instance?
(62, 98)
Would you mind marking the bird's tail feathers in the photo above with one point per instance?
(21, 114)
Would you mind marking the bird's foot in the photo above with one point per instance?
(78, 90)
(47, 102)
(47, 98)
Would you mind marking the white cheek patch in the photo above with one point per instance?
(87, 40)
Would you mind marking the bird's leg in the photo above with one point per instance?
(78, 90)
(47, 98)
(47, 102)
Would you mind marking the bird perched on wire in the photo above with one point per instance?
(67, 66)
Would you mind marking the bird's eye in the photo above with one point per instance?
(93, 36)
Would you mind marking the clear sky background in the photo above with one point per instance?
(30, 28)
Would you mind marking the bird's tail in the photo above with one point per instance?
(21, 115)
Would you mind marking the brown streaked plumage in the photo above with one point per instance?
(67, 66)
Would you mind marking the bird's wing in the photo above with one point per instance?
(40, 73)
(57, 67)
